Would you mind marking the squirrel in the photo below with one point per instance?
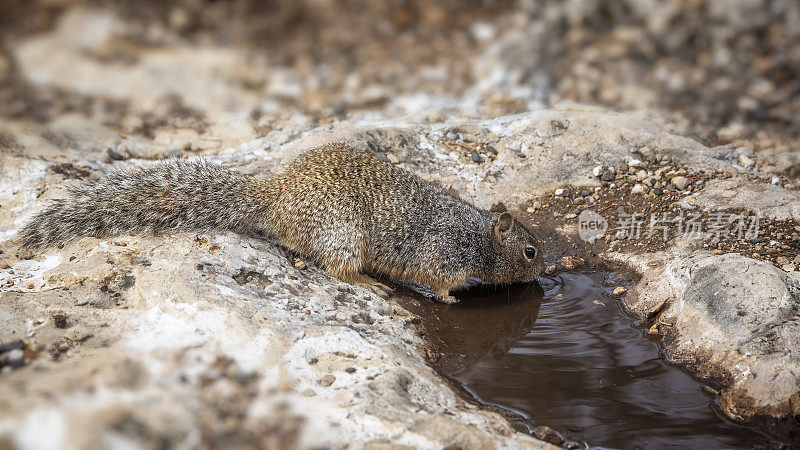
(345, 208)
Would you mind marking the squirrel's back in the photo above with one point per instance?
(348, 204)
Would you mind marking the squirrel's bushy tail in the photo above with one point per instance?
(170, 196)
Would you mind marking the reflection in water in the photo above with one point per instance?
(569, 357)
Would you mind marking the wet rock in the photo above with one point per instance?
(741, 326)
(547, 434)
(619, 290)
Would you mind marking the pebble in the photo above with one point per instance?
(491, 149)
(680, 182)
(619, 290)
(658, 191)
(63, 347)
(559, 191)
(350, 370)
(327, 380)
(635, 162)
(59, 318)
(608, 175)
(572, 262)
(746, 162)
(547, 434)
(392, 158)
(300, 264)
(639, 189)
(476, 157)
(551, 269)
(77, 333)
(597, 171)
(585, 192)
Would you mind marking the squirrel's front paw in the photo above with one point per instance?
(447, 299)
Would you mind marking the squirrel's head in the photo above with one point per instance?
(518, 254)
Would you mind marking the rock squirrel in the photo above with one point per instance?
(345, 208)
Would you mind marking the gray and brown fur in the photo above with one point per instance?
(345, 208)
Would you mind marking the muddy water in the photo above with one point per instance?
(567, 356)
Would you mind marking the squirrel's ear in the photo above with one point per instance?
(503, 223)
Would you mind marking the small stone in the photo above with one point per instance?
(16, 357)
(551, 269)
(570, 216)
(572, 262)
(645, 151)
(300, 264)
(59, 318)
(114, 155)
(658, 191)
(585, 192)
(547, 434)
(757, 240)
(608, 175)
(25, 254)
(559, 191)
(680, 182)
(746, 162)
(350, 370)
(327, 380)
(635, 162)
(782, 261)
(597, 171)
(77, 333)
(619, 290)
(63, 347)
(476, 157)
(788, 267)
(639, 189)
(392, 158)
(491, 149)
(641, 175)
(797, 259)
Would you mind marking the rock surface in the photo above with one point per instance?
(197, 339)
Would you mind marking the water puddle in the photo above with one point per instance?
(566, 355)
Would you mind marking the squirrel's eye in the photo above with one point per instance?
(530, 252)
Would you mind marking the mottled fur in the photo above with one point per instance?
(345, 208)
